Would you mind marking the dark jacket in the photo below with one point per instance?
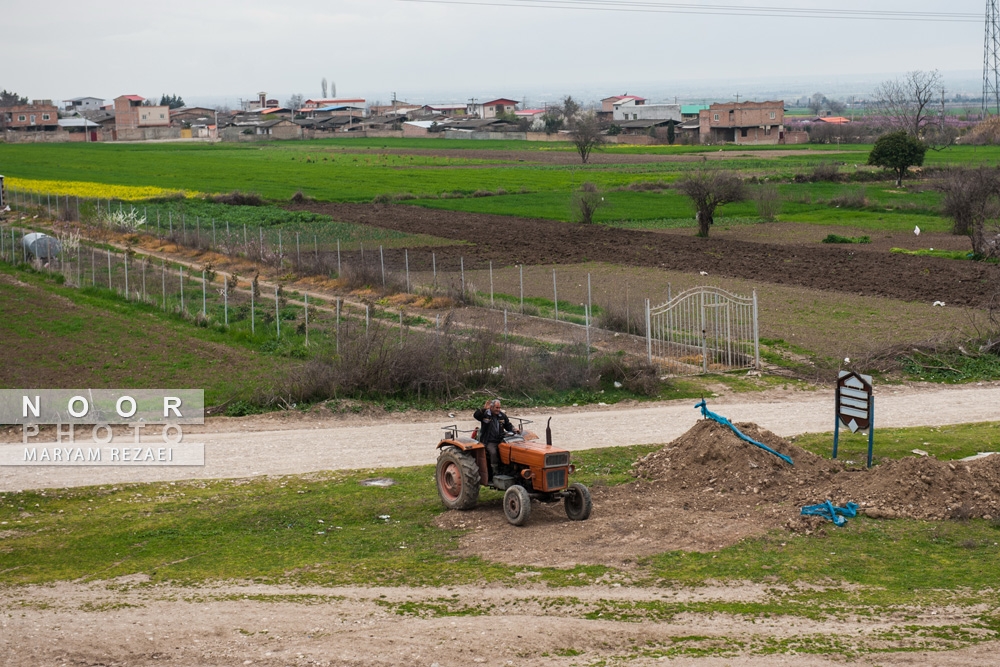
(492, 426)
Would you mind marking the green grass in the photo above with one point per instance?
(946, 254)
(328, 170)
(942, 442)
(65, 337)
(329, 529)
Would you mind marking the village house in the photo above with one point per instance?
(78, 104)
(750, 123)
(608, 105)
(187, 116)
(448, 110)
(495, 108)
(130, 114)
(260, 102)
(39, 116)
(396, 108)
(627, 109)
(279, 128)
(533, 116)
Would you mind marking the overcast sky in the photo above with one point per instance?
(221, 50)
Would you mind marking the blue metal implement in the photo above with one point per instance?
(708, 414)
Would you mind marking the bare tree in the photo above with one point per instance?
(586, 202)
(708, 190)
(586, 135)
(295, 102)
(570, 109)
(972, 201)
(816, 103)
(905, 104)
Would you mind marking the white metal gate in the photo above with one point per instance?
(703, 330)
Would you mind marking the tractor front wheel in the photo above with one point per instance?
(578, 504)
(457, 478)
(517, 505)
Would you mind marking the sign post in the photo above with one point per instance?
(855, 408)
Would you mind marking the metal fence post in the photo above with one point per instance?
(277, 311)
(491, 282)
(203, 290)
(434, 269)
(182, 290)
(555, 294)
(462, 266)
(307, 318)
(522, 289)
(338, 323)
(109, 269)
(590, 302)
(163, 279)
(381, 258)
(756, 336)
(298, 253)
(225, 299)
(338, 258)
(406, 259)
(649, 336)
(253, 328)
(125, 258)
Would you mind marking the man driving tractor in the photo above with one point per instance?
(493, 423)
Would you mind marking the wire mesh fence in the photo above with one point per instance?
(352, 262)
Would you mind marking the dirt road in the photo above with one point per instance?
(269, 446)
(120, 624)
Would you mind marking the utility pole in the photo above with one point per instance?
(472, 105)
(991, 60)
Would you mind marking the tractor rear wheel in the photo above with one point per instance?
(517, 505)
(578, 504)
(457, 478)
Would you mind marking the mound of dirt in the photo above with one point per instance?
(711, 459)
(709, 489)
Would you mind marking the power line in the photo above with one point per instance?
(715, 10)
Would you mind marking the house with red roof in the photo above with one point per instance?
(608, 103)
(497, 107)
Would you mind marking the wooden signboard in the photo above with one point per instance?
(854, 401)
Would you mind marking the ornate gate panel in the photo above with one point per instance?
(703, 330)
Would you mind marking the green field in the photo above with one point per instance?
(339, 170)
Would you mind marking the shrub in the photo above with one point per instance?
(825, 171)
(768, 201)
(853, 198)
(237, 198)
(586, 202)
(837, 238)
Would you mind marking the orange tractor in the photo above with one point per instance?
(527, 469)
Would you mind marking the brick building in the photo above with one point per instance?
(36, 117)
(130, 114)
(751, 123)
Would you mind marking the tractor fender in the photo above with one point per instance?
(464, 444)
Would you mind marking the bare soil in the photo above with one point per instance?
(819, 266)
(126, 622)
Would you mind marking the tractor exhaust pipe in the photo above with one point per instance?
(548, 432)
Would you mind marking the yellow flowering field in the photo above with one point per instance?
(94, 190)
